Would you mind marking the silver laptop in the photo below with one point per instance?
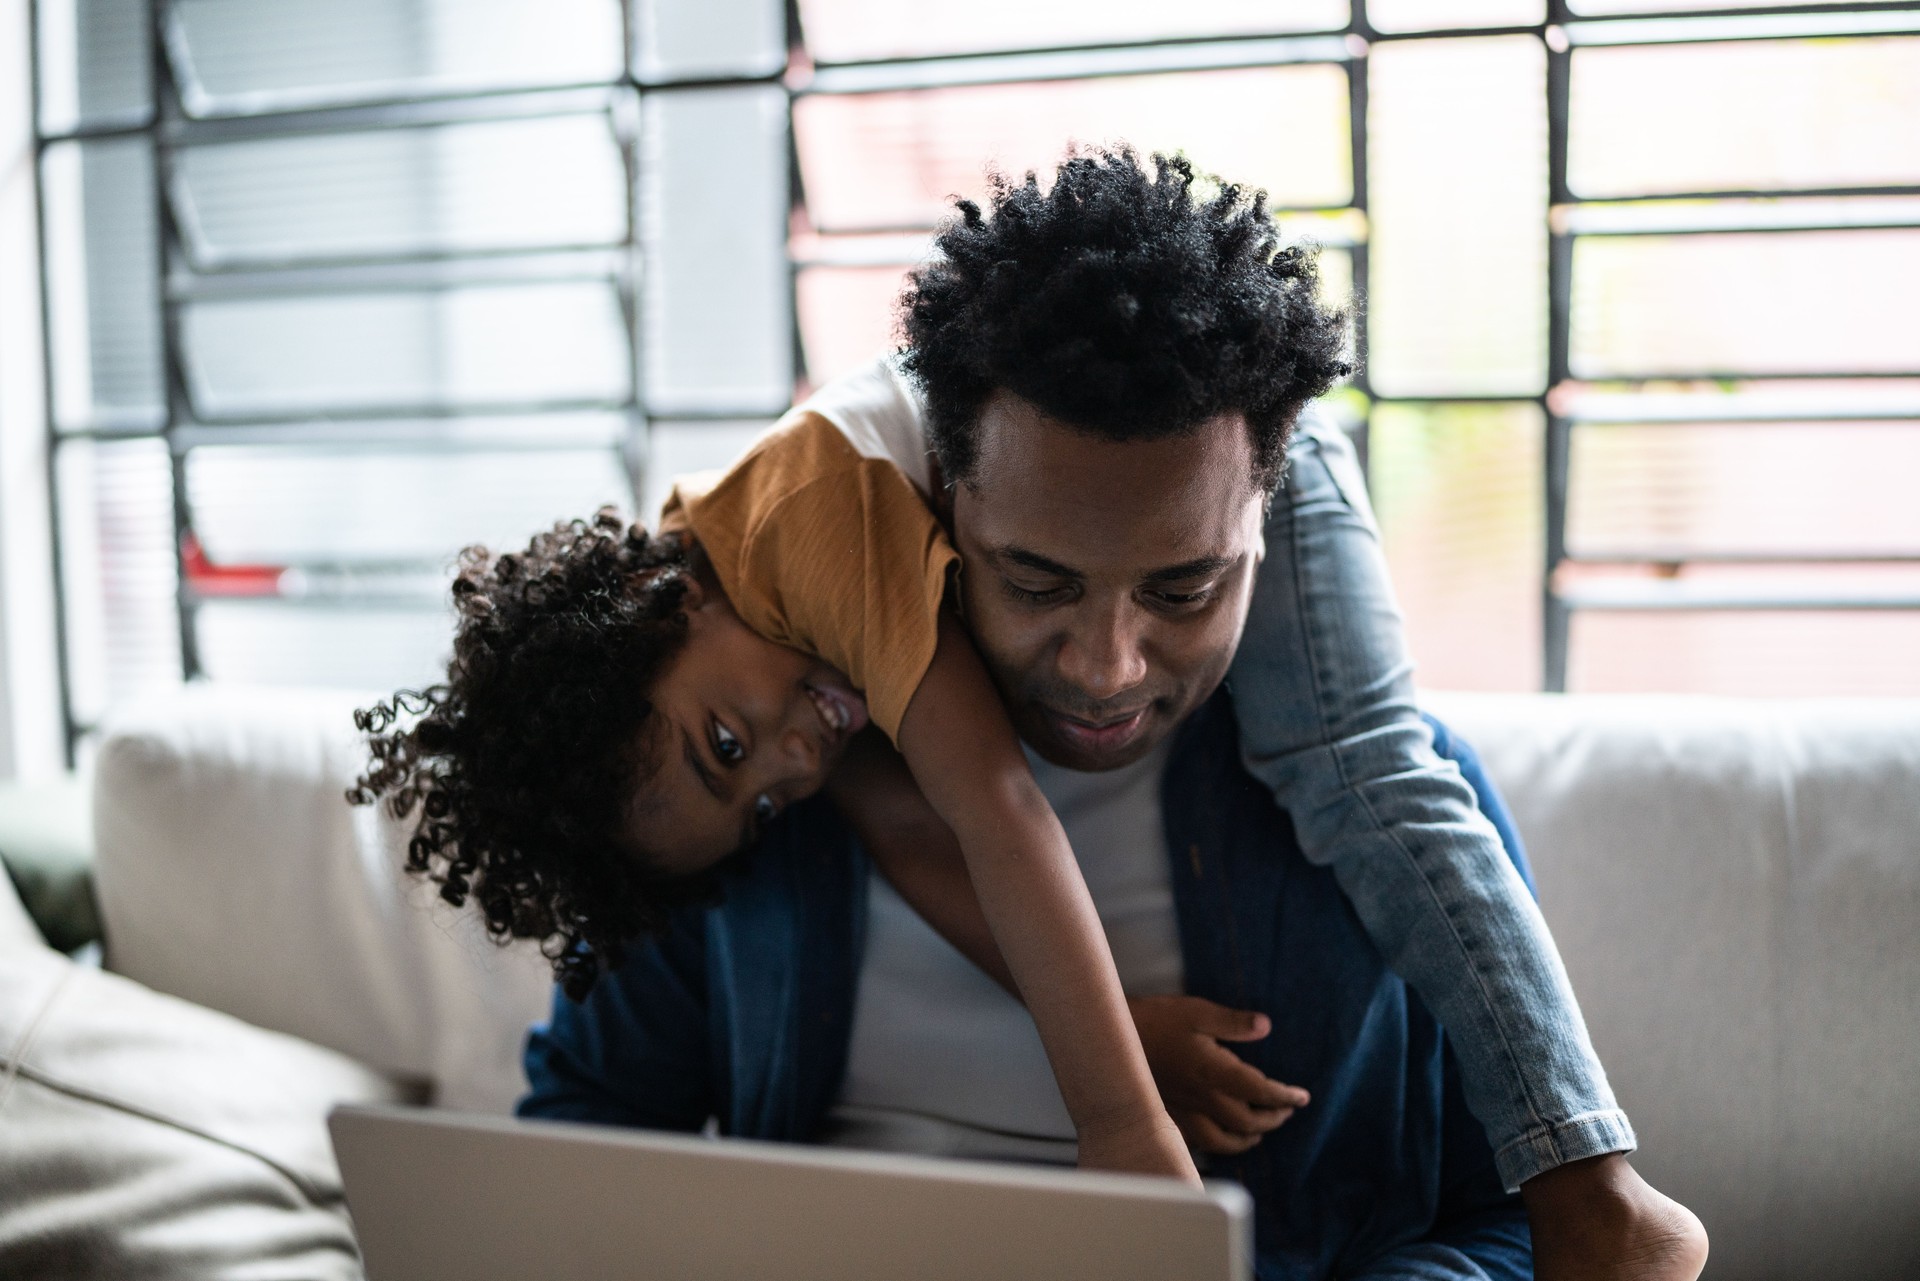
(440, 1195)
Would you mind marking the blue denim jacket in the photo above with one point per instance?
(743, 1012)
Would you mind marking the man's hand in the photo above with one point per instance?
(1221, 1103)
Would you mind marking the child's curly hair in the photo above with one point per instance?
(522, 762)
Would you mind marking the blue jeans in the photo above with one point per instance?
(1323, 689)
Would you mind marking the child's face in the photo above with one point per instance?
(745, 727)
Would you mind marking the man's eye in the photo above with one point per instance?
(726, 746)
(1177, 600)
(763, 808)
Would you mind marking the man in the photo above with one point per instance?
(1107, 579)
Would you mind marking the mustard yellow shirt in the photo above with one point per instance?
(828, 551)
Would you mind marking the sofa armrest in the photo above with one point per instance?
(149, 1137)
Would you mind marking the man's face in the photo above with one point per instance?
(1105, 582)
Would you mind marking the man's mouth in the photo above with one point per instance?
(842, 712)
(1105, 734)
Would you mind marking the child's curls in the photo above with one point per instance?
(521, 763)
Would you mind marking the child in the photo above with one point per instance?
(805, 562)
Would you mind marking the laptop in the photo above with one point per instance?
(466, 1198)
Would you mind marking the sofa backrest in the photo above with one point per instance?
(231, 871)
(1735, 886)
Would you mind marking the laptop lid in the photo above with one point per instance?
(439, 1195)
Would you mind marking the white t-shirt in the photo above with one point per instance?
(943, 1062)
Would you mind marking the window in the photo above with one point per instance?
(331, 293)
(334, 292)
(1737, 235)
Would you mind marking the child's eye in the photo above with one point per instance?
(726, 746)
(763, 808)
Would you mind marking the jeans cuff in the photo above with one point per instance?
(1547, 1147)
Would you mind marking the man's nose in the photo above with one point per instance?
(1102, 656)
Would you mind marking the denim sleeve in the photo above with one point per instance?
(1451, 747)
(1323, 689)
(635, 1051)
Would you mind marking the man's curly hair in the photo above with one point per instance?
(1121, 302)
(521, 763)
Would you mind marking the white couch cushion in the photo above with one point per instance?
(233, 873)
(1735, 885)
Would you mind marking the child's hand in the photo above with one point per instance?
(1221, 1103)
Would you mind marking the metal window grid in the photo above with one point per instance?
(168, 127)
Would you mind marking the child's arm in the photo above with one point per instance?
(915, 850)
(1221, 1103)
(961, 748)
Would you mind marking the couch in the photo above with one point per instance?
(1735, 886)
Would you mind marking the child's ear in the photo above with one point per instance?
(696, 593)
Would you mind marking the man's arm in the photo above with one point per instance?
(634, 1052)
(961, 748)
